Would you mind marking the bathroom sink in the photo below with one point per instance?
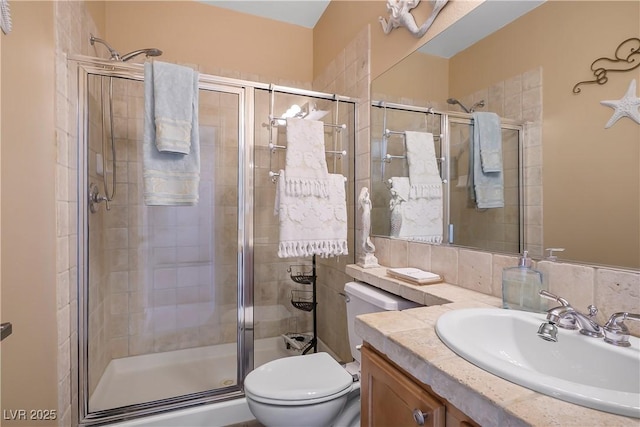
(578, 369)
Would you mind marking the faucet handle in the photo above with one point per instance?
(567, 322)
(615, 331)
(548, 295)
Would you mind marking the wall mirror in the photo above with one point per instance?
(579, 185)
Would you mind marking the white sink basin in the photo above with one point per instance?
(579, 369)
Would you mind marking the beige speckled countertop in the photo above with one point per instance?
(408, 338)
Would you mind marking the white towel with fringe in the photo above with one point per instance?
(424, 175)
(305, 159)
(170, 179)
(312, 225)
(416, 218)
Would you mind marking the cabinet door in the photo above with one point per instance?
(390, 399)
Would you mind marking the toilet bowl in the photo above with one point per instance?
(314, 390)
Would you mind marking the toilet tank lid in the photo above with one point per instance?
(378, 297)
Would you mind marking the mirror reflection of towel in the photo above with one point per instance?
(416, 218)
(424, 174)
(486, 181)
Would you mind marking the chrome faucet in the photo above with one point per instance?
(615, 331)
(567, 317)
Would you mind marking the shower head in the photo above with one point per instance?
(454, 101)
(115, 56)
(478, 104)
(147, 52)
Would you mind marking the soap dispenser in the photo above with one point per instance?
(521, 286)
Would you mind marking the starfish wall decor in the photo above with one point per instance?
(627, 106)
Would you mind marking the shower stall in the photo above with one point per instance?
(176, 304)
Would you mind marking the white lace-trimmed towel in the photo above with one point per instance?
(424, 175)
(421, 218)
(169, 178)
(174, 92)
(486, 181)
(312, 225)
(305, 159)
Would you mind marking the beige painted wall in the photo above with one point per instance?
(214, 38)
(28, 211)
(424, 77)
(96, 9)
(587, 170)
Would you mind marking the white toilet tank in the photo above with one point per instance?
(362, 299)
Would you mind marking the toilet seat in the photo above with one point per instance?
(298, 380)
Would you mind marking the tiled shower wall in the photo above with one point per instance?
(348, 74)
(164, 259)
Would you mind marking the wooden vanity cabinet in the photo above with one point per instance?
(392, 398)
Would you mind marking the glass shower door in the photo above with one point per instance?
(497, 229)
(162, 285)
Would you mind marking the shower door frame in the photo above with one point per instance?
(83, 67)
(453, 118)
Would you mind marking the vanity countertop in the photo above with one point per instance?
(409, 339)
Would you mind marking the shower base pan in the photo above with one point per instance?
(150, 377)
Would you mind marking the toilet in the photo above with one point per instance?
(314, 390)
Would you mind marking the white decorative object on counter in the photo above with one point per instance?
(414, 275)
(367, 258)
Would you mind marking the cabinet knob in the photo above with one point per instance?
(420, 417)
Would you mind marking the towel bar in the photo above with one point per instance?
(273, 147)
(389, 157)
(275, 121)
(388, 132)
(274, 176)
(389, 182)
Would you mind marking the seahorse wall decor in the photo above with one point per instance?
(400, 16)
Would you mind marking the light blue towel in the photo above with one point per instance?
(173, 96)
(489, 134)
(169, 178)
(486, 181)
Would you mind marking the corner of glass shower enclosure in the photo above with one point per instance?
(168, 312)
(163, 291)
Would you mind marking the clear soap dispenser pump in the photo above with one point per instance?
(521, 286)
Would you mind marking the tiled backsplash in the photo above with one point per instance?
(608, 288)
